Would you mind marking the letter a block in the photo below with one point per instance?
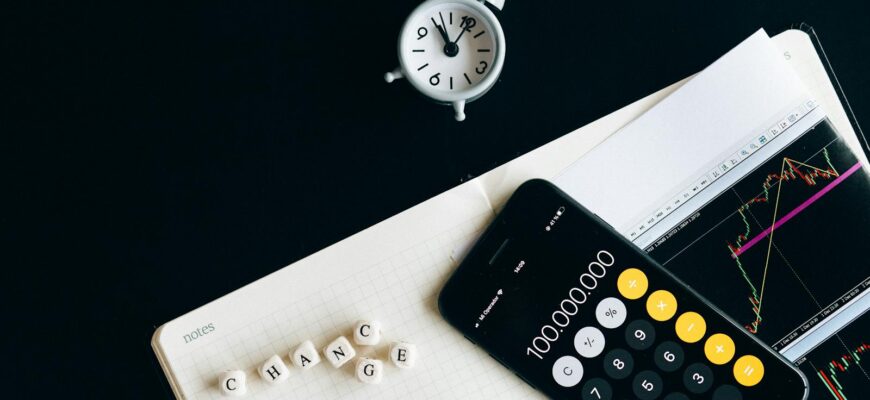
(369, 370)
(305, 356)
(233, 383)
(339, 351)
(274, 370)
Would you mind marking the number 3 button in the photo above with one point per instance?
(698, 378)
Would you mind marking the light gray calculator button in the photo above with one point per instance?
(567, 371)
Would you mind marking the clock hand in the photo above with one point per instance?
(442, 31)
(443, 27)
(450, 48)
(466, 25)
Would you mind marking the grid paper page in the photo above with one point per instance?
(400, 290)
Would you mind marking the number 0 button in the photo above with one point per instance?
(632, 283)
(647, 385)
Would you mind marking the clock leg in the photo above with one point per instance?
(459, 108)
(395, 74)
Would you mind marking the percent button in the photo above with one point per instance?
(610, 312)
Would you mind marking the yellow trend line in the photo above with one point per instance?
(770, 239)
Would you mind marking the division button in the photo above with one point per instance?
(748, 370)
(618, 363)
(698, 378)
(589, 342)
(669, 356)
(647, 385)
(661, 305)
(610, 312)
(691, 327)
(719, 348)
(727, 392)
(632, 283)
(597, 389)
(640, 334)
(567, 371)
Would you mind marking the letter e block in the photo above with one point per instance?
(403, 354)
(339, 351)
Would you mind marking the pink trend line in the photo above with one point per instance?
(797, 209)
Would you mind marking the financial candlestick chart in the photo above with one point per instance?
(829, 374)
(791, 171)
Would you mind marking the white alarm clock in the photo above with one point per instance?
(452, 51)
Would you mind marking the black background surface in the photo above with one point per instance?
(157, 156)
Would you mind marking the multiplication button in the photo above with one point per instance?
(669, 356)
(567, 371)
(647, 385)
(597, 389)
(661, 305)
(640, 334)
(610, 312)
(618, 363)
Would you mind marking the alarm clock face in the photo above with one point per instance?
(452, 50)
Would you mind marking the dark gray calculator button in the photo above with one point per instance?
(618, 363)
(698, 378)
(647, 385)
(597, 389)
(727, 392)
(640, 334)
(676, 396)
(669, 356)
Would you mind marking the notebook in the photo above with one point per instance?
(392, 272)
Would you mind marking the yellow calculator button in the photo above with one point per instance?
(632, 283)
(691, 327)
(661, 305)
(748, 370)
(719, 348)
